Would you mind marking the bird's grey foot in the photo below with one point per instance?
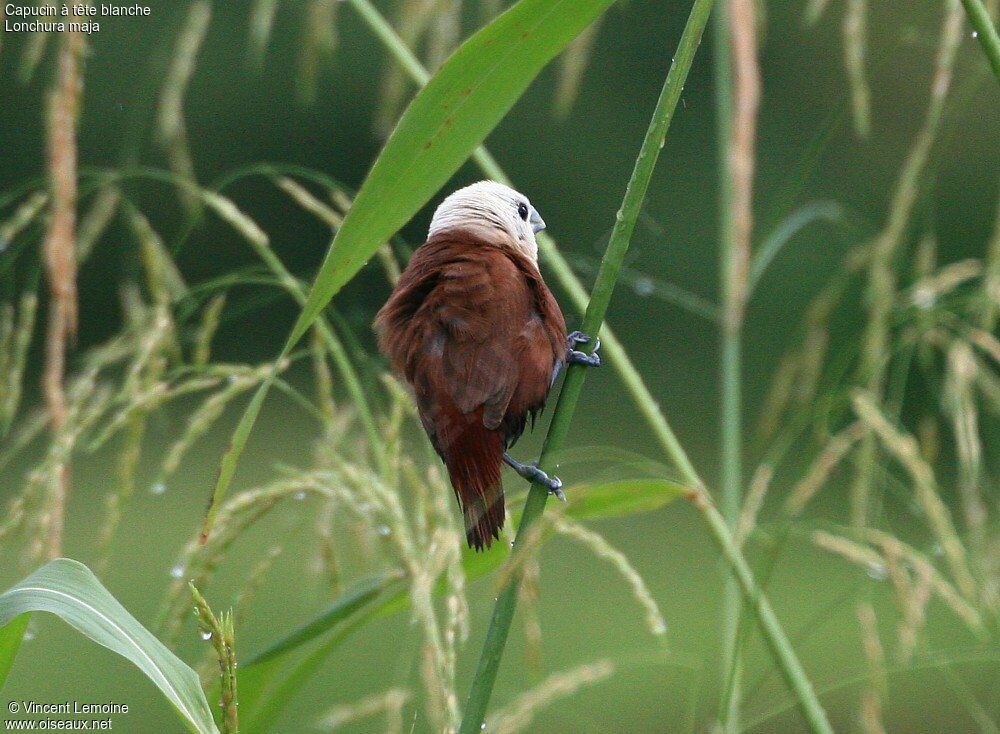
(574, 356)
(532, 473)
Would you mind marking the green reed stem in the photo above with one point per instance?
(618, 358)
(986, 32)
(635, 193)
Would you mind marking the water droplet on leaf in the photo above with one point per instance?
(878, 572)
(643, 286)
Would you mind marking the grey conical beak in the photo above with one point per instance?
(536, 221)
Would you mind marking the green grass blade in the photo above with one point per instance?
(69, 590)
(11, 635)
(785, 232)
(979, 18)
(444, 123)
(621, 498)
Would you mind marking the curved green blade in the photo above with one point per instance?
(69, 590)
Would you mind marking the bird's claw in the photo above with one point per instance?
(552, 483)
(574, 356)
(532, 473)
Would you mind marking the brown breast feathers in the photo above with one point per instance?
(476, 332)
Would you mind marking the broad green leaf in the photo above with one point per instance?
(10, 640)
(624, 497)
(444, 123)
(69, 590)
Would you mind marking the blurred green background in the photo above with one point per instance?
(574, 170)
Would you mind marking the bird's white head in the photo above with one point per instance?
(493, 213)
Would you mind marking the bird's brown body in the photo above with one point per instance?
(477, 333)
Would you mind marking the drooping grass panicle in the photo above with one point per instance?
(753, 502)
(960, 402)
(904, 448)
(519, 714)
(319, 41)
(855, 29)
(572, 65)
(876, 565)
(389, 703)
(95, 221)
(881, 287)
(655, 622)
(197, 562)
(170, 116)
(211, 318)
(60, 253)
(262, 16)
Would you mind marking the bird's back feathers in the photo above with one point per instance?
(476, 332)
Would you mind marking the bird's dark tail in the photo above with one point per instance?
(474, 459)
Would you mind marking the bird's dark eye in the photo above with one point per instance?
(522, 210)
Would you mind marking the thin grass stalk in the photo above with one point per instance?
(727, 714)
(737, 101)
(60, 255)
(985, 31)
(646, 404)
(496, 636)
